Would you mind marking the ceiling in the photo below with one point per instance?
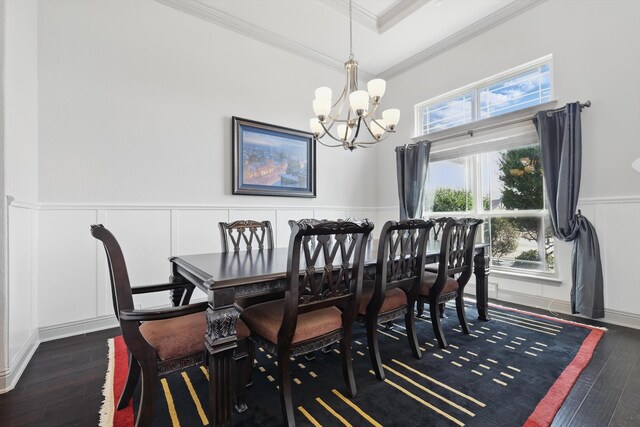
(389, 36)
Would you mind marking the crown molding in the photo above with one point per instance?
(502, 15)
(360, 14)
(382, 23)
(211, 14)
(397, 13)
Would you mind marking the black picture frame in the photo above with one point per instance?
(270, 160)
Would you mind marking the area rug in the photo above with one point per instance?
(514, 370)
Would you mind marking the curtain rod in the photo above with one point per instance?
(470, 132)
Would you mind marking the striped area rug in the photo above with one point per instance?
(515, 370)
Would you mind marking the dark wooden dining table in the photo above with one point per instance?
(227, 276)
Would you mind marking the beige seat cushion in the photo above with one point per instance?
(429, 280)
(394, 298)
(265, 320)
(181, 336)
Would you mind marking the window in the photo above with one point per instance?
(505, 188)
(498, 178)
(522, 87)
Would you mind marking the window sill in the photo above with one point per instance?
(550, 279)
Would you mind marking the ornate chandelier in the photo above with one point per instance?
(350, 117)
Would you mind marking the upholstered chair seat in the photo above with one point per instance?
(265, 320)
(430, 279)
(173, 338)
(393, 299)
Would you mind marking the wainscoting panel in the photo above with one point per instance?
(67, 286)
(73, 282)
(282, 231)
(618, 227)
(197, 230)
(22, 281)
(331, 214)
(145, 238)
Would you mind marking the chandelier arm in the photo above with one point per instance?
(328, 145)
(331, 136)
(373, 110)
(369, 129)
(353, 140)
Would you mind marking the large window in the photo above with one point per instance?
(505, 188)
(498, 179)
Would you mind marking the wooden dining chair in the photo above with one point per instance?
(243, 234)
(322, 292)
(399, 272)
(161, 340)
(455, 266)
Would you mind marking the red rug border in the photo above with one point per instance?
(123, 417)
(543, 414)
(550, 404)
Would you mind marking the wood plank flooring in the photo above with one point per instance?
(62, 385)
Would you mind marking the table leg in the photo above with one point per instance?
(481, 262)
(221, 342)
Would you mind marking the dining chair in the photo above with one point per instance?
(161, 340)
(455, 266)
(242, 234)
(399, 272)
(322, 292)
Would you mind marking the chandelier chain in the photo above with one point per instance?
(350, 30)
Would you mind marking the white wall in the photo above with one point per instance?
(21, 182)
(136, 98)
(594, 46)
(135, 106)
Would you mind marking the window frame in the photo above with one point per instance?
(474, 89)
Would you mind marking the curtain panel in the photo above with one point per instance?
(412, 161)
(560, 137)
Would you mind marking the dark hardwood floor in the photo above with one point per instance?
(62, 385)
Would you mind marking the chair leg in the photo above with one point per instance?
(347, 363)
(420, 306)
(285, 387)
(410, 324)
(148, 395)
(462, 317)
(442, 313)
(437, 327)
(374, 350)
(130, 386)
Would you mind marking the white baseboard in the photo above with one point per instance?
(615, 317)
(64, 330)
(9, 377)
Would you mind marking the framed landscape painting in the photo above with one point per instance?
(272, 160)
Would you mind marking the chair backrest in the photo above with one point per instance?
(325, 273)
(245, 233)
(457, 246)
(120, 285)
(401, 258)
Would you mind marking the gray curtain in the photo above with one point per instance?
(560, 136)
(412, 161)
